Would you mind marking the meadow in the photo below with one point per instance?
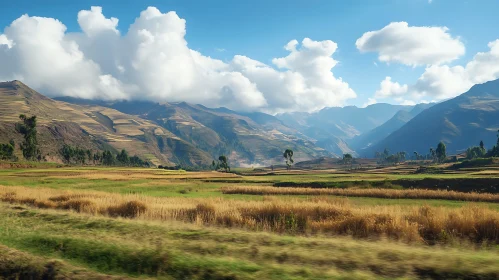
(107, 223)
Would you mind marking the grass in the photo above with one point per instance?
(314, 215)
(361, 192)
(90, 223)
(179, 251)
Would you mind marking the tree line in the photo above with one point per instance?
(76, 155)
(436, 155)
(481, 152)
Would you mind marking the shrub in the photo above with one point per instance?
(130, 209)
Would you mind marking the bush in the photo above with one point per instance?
(130, 209)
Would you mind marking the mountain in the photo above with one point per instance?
(381, 132)
(91, 127)
(247, 138)
(332, 127)
(460, 122)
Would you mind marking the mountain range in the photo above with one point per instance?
(460, 122)
(192, 134)
(166, 133)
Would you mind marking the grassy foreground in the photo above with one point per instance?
(128, 248)
(112, 223)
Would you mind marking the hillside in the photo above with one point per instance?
(381, 132)
(460, 122)
(248, 138)
(91, 127)
(332, 127)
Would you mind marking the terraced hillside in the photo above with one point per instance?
(249, 139)
(91, 127)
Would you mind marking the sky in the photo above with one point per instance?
(270, 56)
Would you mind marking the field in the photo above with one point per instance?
(119, 223)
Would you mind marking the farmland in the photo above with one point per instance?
(106, 223)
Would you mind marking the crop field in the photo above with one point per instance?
(124, 223)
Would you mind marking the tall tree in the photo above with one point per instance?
(347, 159)
(288, 155)
(223, 163)
(441, 151)
(123, 157)
(29, 147)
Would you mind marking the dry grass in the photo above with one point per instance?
(378, 193)
(316, 215)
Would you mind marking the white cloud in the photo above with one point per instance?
(5, 41)
(430, 1)
(411, 45)
(152, 61)
(440, 82)
(390, 89)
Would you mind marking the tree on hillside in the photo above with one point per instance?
(223, 163)
(123, 157)
(213, 165)
(288, 155)
(440, 152)
(89, 155)
(29, 147)
(7, 152)
(97, 158)
(67, 153)
(107, 158)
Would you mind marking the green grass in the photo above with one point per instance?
(179, 251)
(91, 247)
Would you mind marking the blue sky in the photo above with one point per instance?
(259, 29)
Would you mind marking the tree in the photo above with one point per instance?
(482, 145)
(97, 158)
(386, 153)
(347, 159)
(67, 153)
(213, 164)
(89, 155)
(123, 158)
(288, 155)
(223, 163)
(6, 151)
(107, 158)
(29, 146)
(440, 152)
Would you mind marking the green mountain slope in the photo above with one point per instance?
(459, 122)
(91, 127)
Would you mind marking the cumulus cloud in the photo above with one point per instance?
(412, 45)
(390, 89)
(152, 61)
(440, 82)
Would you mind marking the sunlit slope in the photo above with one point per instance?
(92, 127)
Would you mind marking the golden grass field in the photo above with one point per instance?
(119, 215)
